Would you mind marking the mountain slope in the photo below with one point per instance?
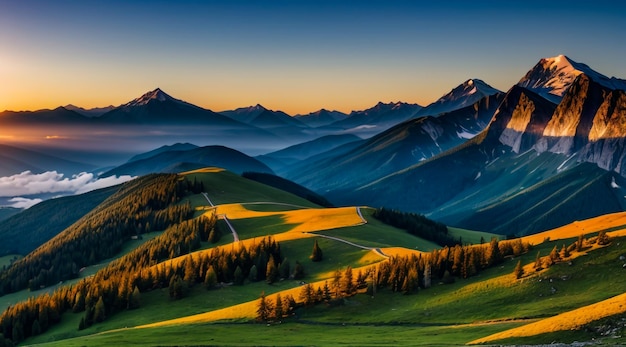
(157, 107)
(58, 116)
(466, 94)
(305, 150)
(218, 156)
(373, 120)
(532, 155)
(397, 148)
(551, 77)
(321, 118)
(92, 112)
(33, 227)
(162, 149)
(15, 160)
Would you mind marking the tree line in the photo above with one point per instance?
(141, 205)
(145, 204)
(402, 274)
(417, 225)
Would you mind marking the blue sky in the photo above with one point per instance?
(296, 56)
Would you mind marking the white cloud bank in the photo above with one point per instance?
(20, 202)
(27, 183)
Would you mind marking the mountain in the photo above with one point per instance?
(466, 94)
(305, 150)
(157, 107)
(536, 165)
(395, 149)
(375, 119)
(276, 122)
(162, 149)
(15, 160)
(321, 118)
(92, 112)
(33, 227)
(551, 77)
(171, 160)
(57, 116)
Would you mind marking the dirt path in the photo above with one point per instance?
(375, 249)
(232, 229)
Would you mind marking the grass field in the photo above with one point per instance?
(491, 303)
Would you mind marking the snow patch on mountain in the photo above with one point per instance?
(156, 94)
(466, 94)
(551, 77)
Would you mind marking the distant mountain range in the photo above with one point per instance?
(475, 158)
(527, 171)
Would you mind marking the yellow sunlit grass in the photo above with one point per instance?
(370, 258)
(570, 320)
(239, 211)
(587, 226)
(315, 219)
(399, 251)
(246, 310)
(204, 170)
(306, 220)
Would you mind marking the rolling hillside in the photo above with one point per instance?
(170, 160)
(482, 307)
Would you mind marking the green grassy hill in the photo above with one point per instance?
(455, 313)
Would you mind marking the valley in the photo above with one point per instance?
(483, 218)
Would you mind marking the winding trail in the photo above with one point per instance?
(375, 249)
(206, 196)
(232, 229)
(358, 211)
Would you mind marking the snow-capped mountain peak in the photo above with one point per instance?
(156, 94)
(461, 96)
(551, 77)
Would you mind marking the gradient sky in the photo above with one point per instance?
(295, 56)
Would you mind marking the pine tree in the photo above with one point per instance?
(580, 243)
(554, 255)
(278, 307)
(538, 262)
(519, 270)
(264, 310)
(603, 238)
(134, 300)
(326, 290)
(210, 279)
(36, 328)
(81, 325)
(190, 271)
(214, 236)
(564, 253)
(348, 286)
(238, 276)
(271, 274)
(427, 276)
(298, 271)
(253, 275)
(100, 311)
(283, 269)
(336, 283)
(316, 254)
(307, 295)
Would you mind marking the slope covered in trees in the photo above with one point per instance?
(30, 228)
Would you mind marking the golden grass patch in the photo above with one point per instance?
(316, 219)
(399, 251)
(584, 227)
(204, 170)
(570, 320)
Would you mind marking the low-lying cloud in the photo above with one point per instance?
(20, 202)
(30, 184)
